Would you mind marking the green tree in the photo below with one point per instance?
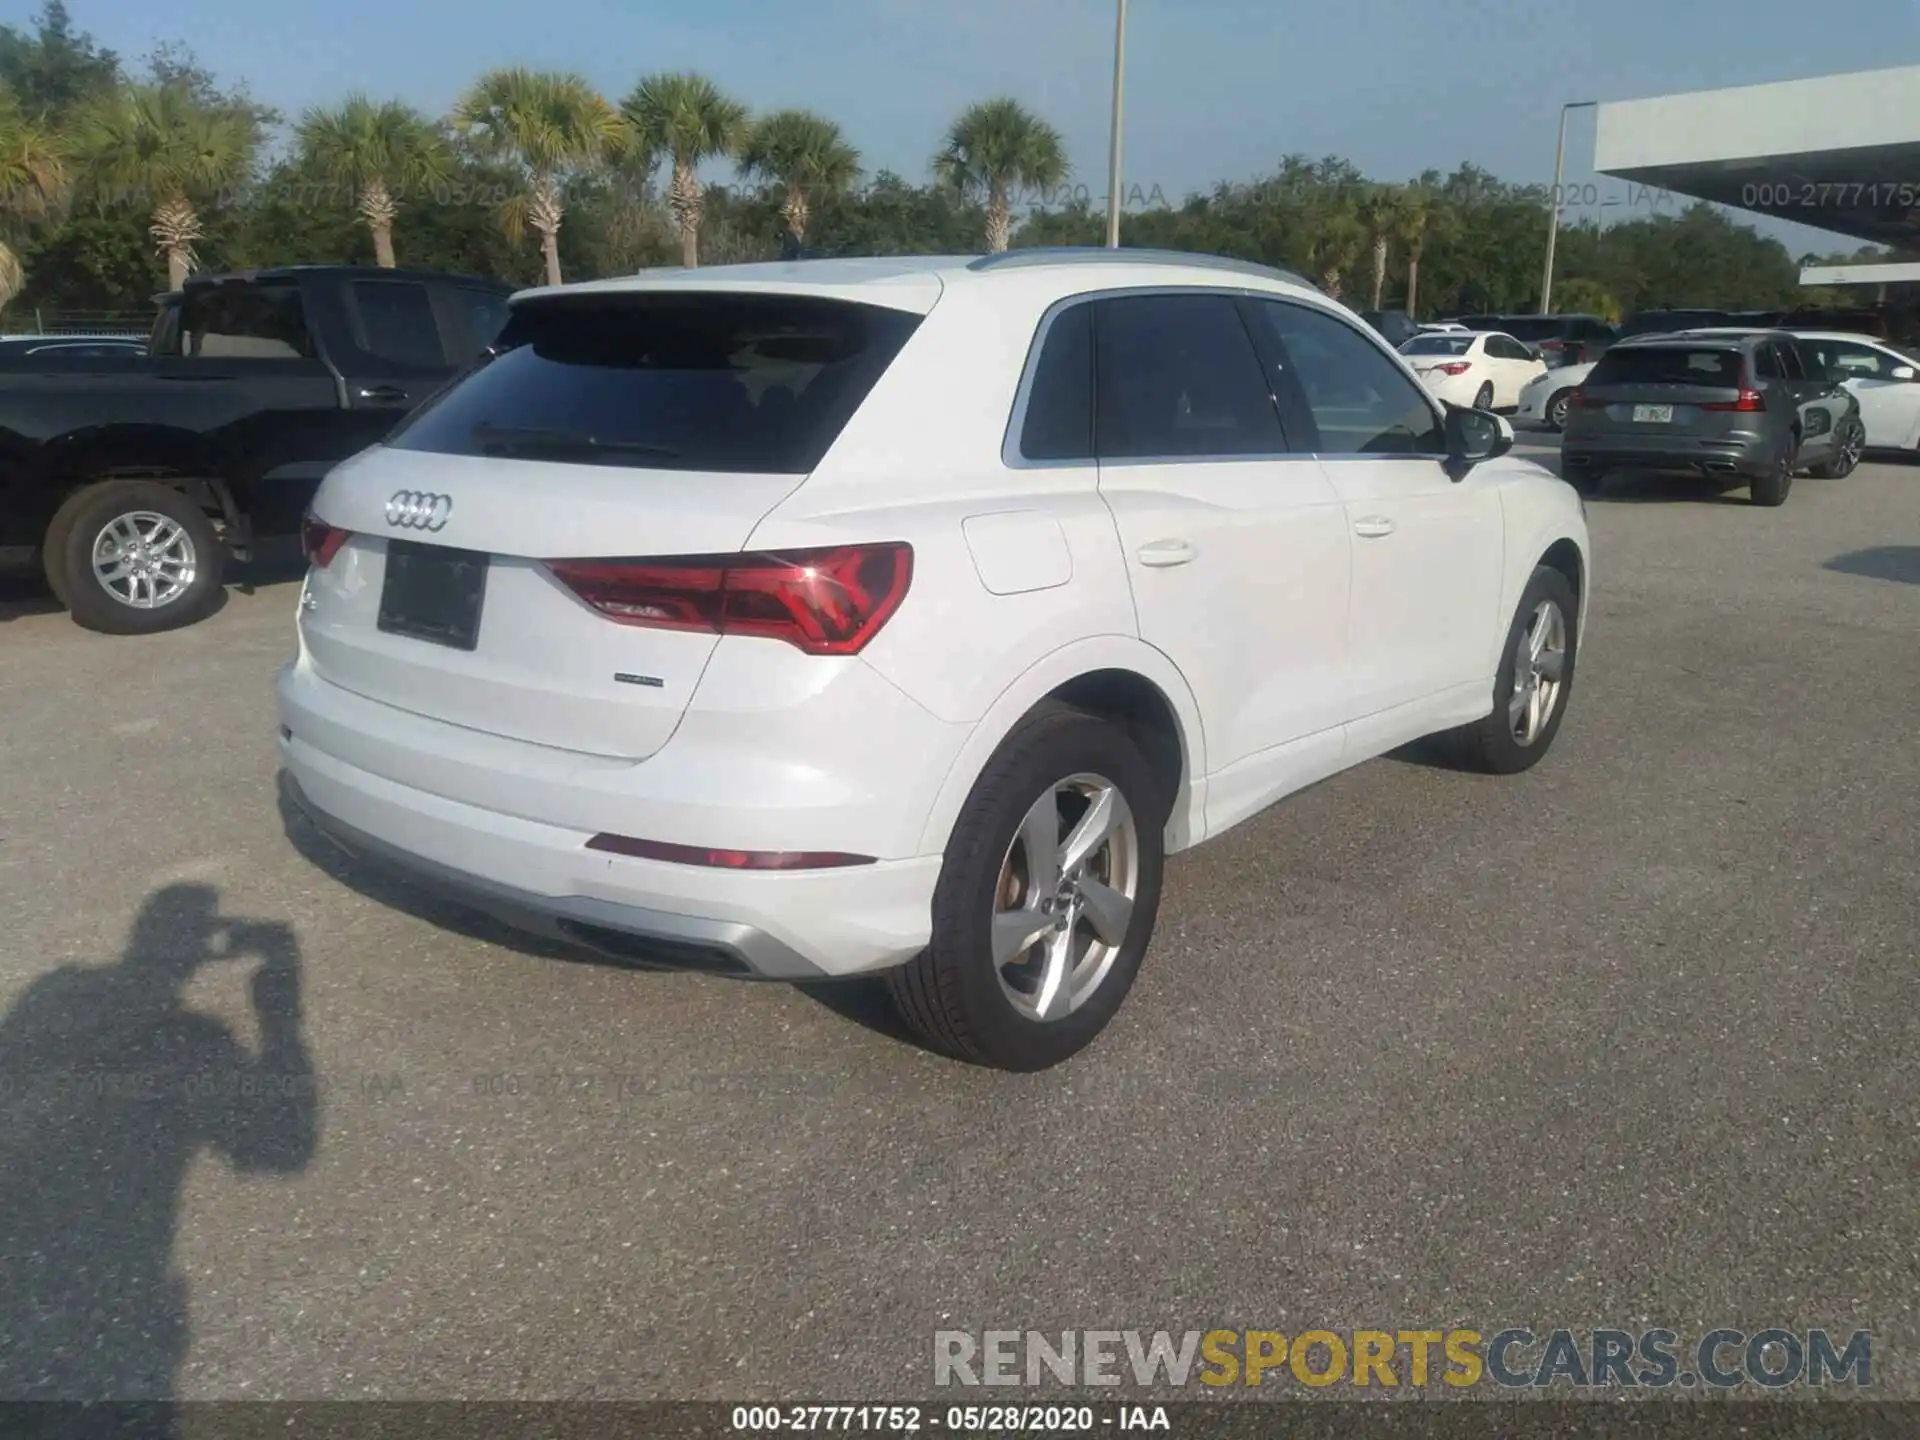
(374, 151)
(806, 155)
(1579, 295)
(54, 70)
(994, 147)
(161, 146)
(685, 119)
(549, 126)
(33, 175)
(1380, 216)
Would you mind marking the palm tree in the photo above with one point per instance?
(33, 174)
(995, 146)
(1380, 213)
(1422, 216)
(1336, 237)
(168, 146)
(685, 118)
(375, 149)
(805, 155)
(549, 125)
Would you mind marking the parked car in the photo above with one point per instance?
(1740, 407)
(1871, 323)
(71, 347)
(1394, 325)
(127, 477)
(1479, 370)
(900, 615)
(1883, 378)
(1442, 327)
(1544, 399)
(1560, 339)
(1670, 322)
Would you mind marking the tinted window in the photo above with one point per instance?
(1438, 345)
(1502, 348)
(482, 313)
(1790, 361)
(396, 323)
(724, 382)
(1059, 423)
(1667, 365)
(261, 322)
(1661, 322)
(1177, 375)
(1358, 401)
(1766, 364)
(1532, 329)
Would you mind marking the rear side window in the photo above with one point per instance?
(1667, 365)
(1177, 376)
(707, 381)
(1059, 419)
(1766, 363)
(245, 321)
(483, 314)
(1790, 361)
(397, 324)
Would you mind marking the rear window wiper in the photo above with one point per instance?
(526, 440)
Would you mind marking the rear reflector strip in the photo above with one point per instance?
(726, 859)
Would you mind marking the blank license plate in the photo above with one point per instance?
(433, 593)
(1653, 414)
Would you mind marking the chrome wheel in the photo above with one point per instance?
(1539, 673)
(1064, 901)
(144, 559)
(1850, 450)
(1557, 411)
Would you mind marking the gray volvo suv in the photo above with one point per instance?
(1747, 407)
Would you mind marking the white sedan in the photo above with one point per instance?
(1884, 377)
(1543, 400)
(1483, 369)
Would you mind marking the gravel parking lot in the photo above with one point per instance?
(1630, 1040)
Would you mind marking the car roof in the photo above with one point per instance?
(345, 272)
(915, 282)
(1695, 338)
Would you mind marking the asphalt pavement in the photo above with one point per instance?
(1630, 1040)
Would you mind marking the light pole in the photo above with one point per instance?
(1553, 201)
(1113, 140)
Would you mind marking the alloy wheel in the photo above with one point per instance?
(1539, 673)
(145, 560)
(1063, 903)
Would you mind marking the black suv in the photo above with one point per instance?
(1744, 407)
(1560, 339)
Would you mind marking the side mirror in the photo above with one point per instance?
(1474, 436)
(1903, 372)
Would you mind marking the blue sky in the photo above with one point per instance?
(1216, 88)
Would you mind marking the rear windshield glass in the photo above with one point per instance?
(1437, 345)
(1668, 365)
(729, 382)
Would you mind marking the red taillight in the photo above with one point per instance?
(829, 601)
(1749, 402)
(726, 859)
(1456, 367)
(321, 541)
(1580, 400)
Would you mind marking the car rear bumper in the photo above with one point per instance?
(538, 876)
(1738, 454)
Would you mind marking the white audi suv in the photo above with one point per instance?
(806, 620)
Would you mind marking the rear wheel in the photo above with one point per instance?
(1046, 899)
(1483, 398)
(136, 558)
(1771, 488)
(1557, 410)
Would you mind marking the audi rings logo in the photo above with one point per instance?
(419, 509)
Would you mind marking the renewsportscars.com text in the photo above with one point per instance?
(1515, 1358)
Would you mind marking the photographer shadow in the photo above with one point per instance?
(110, 1087)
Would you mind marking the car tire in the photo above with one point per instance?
(175, 584)
(1545, 630)
(1556, 410)
(957, 994)
(1846, 455)
(1483, 397)
(1771, 489)
(1586, 479)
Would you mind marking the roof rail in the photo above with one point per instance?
(1102, 255)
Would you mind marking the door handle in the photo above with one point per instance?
(1162, 553)
(383, 394)
(1373, 527)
